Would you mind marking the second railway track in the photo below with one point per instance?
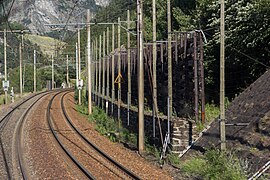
(41, 138)
(91, 160)
(11, 123)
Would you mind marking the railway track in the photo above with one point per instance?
(38, 139)
(117, 165)
(69, 154)
(13, 160)
(102, 165)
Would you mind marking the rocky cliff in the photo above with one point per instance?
(34, 14)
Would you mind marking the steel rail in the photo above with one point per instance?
(69, 154)
(18, 136)
(118, 165)
(18, 105)
(4, 120)
(260, 171)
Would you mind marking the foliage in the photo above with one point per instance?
(104, 124)
(211, 112)
(247, 42)
(215, 164)
(174, 160)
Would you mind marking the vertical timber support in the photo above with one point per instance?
(103, 70)
(129, 64)
(202, 80)
(169, 56)
(222, 77)
(21, 82)
(108, 72)
(93, 71)
(35, 72)
(52, 73)
(99, 72)
(196, 101)
(79, 66)
(67, 73)
(5, 62)
(96, 66)
(119, 73)
(141, 75)
(155, 107)
(113, 70)
(89, 64)
(77, 72)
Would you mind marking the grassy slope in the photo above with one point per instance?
(46, 44)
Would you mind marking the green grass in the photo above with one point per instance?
(211, 112)
(215, 165)
(107, 126)
(45, 43)
(174, 160)
(104, 124)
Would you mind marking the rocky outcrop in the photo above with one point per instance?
(34, 14)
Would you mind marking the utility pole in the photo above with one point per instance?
(93, 69)
(108, 73)
(103, 70)
(96, 64)
(79, 67)
(77, 73)
(5, 61)
(67, 73)
(222, 77)
(119, 72)
(169, 58)
(89, 64)
(154, 65)
(113, 48)
(129, 64)
(52, 73)
(20, 49)
(35, 76)
(141, 75)
(99, 75)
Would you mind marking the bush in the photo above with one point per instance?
(104, 124)
(215, 165)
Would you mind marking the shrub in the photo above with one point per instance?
(215, 164)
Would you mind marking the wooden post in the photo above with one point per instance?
(96, 65)
(196, 91)
(5, 61)
(77, 72)
(99, 75)
(155, 106)
(202, 80)
(52, 73)
(119, 72)
(89, 63)
(35, 76)
(169, 57)
(108, 72)
(113, 70)
(129, 64)
(103, 70)
(93, 75)
(79, 65)
(222, 78)
(141, 76)
(21, 85)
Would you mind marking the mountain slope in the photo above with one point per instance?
(34, 14)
